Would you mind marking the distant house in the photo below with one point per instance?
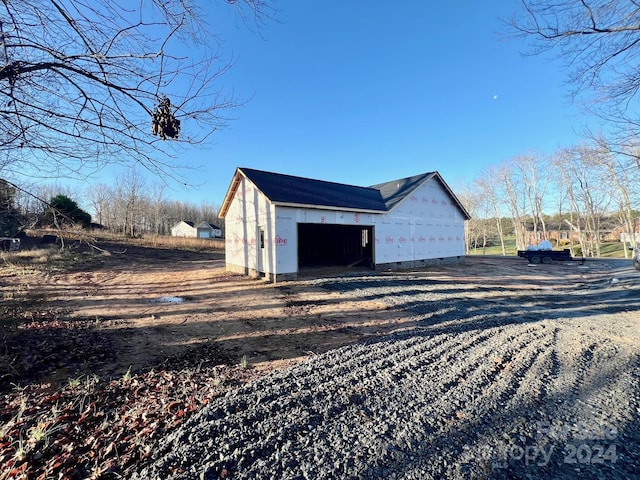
(610, 231)
(190, 229)
(277, 224)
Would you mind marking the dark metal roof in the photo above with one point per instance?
(299, 191)
(287, 189)
(395, 191)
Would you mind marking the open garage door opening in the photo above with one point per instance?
(322, 245)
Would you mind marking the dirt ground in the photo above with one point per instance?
(150, 305)
(156, 333)
(136, 308)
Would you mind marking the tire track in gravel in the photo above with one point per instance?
(484, 389)
(558, 419)
(506, 399)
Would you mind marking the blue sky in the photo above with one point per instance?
(363, 92)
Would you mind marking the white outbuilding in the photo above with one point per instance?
(190, 229)
(277, 224)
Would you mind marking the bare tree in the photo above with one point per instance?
(589, 196)
(131, 192)
(599, 41)
(512, 190)
(99, 197)
(623, 180)
(473, 227)
(84, 83)
(535, 176)
(156, 208)
(488, 190)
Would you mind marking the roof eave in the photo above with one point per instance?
(233, 187)
(446, 187)
(327, 207)
(409, 192)
(453, 195)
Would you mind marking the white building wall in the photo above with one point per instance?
(336, 217)
(204, 233)
(425, 225)
(183, 229)
(286, 240)
(627, 237)
(249, 213)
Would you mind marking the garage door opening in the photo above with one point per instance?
(322, 245)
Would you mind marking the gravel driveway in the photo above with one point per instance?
(537, 378)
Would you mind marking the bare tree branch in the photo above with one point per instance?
(82, 80)
(599, 42)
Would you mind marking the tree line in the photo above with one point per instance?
(581, 194)
(131, 206)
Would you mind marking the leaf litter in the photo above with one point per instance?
(90, 427)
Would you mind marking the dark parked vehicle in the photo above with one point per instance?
(546, 256)
(9, 244)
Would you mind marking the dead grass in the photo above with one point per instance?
(74, 236)
(49, 259)
(162, 241)
(199, 244)
(33, 258)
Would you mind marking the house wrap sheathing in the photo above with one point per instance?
(277, 224)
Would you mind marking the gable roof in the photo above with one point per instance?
(201, 224)
(191, 224)
(205, 224)
(288, 190)
(395, 191)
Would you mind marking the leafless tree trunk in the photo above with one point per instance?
(486, 184)
(514, 195)
(588, 196)
(535, 175)
(130, 192)
(99, 197)
(157, 207)
(473, 227)
(623, 178)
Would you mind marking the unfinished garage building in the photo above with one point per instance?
(278, 224)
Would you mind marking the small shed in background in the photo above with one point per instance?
(201, 230)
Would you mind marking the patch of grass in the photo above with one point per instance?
(607, 249)
(126, 378)
(22, 294)
(200, 244)
(612, 250)
(510, 247)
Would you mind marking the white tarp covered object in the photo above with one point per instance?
(543, 245)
